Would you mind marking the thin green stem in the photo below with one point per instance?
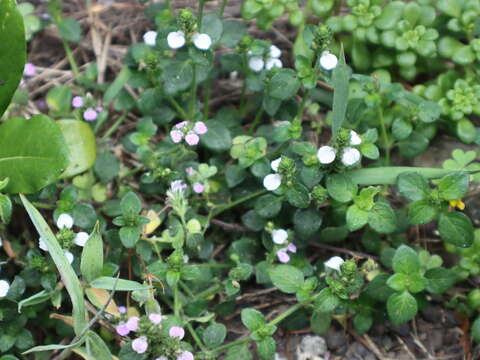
(193, 97)
(201, 5)
(186, 289)
(114, 126)
(44, 205)
(206, 98)
(195, 337)
(386, 142)
(256, 121)
(176, 301)
(212, 290)
(222, 8)
(238, 202)
(177, 107)
(71, 59)
(231, 344)
(286, 314)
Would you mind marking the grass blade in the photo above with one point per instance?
(340, 77)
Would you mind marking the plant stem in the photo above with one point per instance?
(71, 59)
(177, 107)
(386, 142)
(286, 314)
(256, 121)
(206, 98)
(176, 301)
(193, 99)
(237, 202)
(114, 126)
(222, 8)
(195, 337)
(201, 5)
(233, 343)
(209, 292)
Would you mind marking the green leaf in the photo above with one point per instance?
(213, 26)
(35, 299)
(59, 99)
(440, 280)
(70, 30)
(453, 186)
(356, 218)
(129, 236)
(475, 330)
(96, 347)
(340, 78)
(298, 196)
(388, 175)
(91, 264)
(286, 278)
(111, 283)
(284, 84)
(341, 188)
(326, 301)
(390, 15)
(217, 138)
(117, 85)
(252, 319)
(266, 348)
(12, 51)
(413, 186)
(55, 346)
(80, 141)
(177, 76)
(405, 260)
(398, 282)
(214, 335)
(66, 271)
(307, 222)
(239, 352)
(5, 208)
(456, 228)
(401, 307)
(382, 218)
(320, 322)
(268, 206)
(421, 212)
(362, 322)
(33, 153)
(131, 203)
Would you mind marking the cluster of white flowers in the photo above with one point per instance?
(328, 61)
(350, 155)
(176, 40)
(272, 182)
(258, 63)
(334, 263)
(65, 221)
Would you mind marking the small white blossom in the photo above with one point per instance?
(81, 238)
(150, 38)
(354, 138)
(279, 236)
(256, 63)
(64, 221)
(271, 63)
(69, 256)
(1, 242)
(272, 182)
(350, 156)
(328, 61)
(42, 245)
(4, 287)
(176, 39)
(275, 52)
(202, 41)
(334, 263)
(177, 186)
(326, 154)
(275, 164)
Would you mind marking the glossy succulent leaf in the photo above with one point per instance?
(12, 51)
(33, 153)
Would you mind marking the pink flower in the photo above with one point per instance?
(122, 329)
(122, 309)
(192, 139)
(200, 128)
(181, 124)
(29, 70)
(155, 318)
(176, 331)
(186, 355)
(198, 188)
(283, 256)
(90, 115)
(77, 102)
(176, 136)
(189, 171)
(99, 108)
(292, 248)
(132, 323)
(140, 345)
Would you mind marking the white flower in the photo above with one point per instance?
(1, 242)
(272, 182)
(69, 256)
(150, 38)
(334, 263)
(64, 221)
(4, 287)
(42, 245)
(177, 186)
(355, 138)
(256, 63)
(326, 154)
(202, 41)
(273, 63)
(279, 236)
(275, 52)
(81, 238)
(176, 39)
(328, 61)
(275, 163)
(350, 156)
